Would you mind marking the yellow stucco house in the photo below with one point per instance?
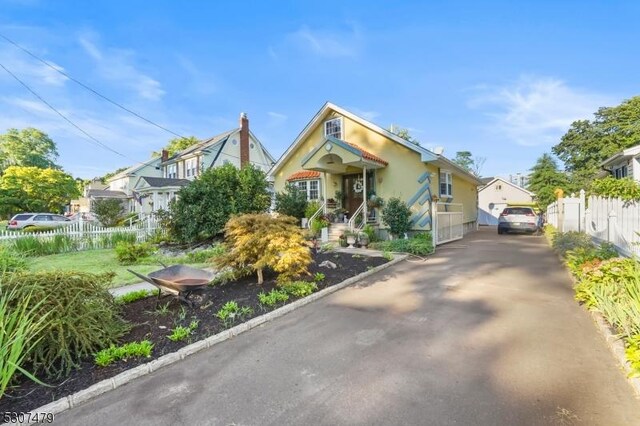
(341, 160)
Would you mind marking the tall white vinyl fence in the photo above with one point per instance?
(83, 235)
(604, 219)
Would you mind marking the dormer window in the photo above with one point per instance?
(333, 128)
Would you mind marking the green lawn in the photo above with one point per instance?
(100, 261)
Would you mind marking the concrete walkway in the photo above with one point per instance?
(486, 332)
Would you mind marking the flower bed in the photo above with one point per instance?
(605, 283)
(169, 325)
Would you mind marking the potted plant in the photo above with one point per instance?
(338, 194)
(375, 202)
(340, 213)
(351, 239)
(363, 239)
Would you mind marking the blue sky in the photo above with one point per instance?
(503, 80)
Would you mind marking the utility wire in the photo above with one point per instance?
(33, 92)
(33, 55)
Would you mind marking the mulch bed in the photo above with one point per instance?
(148, 323)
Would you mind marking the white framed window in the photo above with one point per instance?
(191, 167)
(309, 187)
(621, 172)
(171, 171)
(333, 128)
(446, 184)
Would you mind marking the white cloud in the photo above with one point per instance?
(34, 72)
(117, 65)
(536, 110)
(199, 82)
(325, 43)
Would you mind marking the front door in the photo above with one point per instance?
(352, 190)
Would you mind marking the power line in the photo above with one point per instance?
(33, 55)
(33, 92)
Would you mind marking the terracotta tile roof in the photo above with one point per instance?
(304, 174)
(367, 155)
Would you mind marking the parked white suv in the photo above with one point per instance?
(518, 219)
(49, 220)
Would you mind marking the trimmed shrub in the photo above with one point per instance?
(37, 229)
(108, 211)
(292, 202)
(128, 254)
(81, 315)
(396, 214)
(564, 242)
(204, 206)
(259, 241)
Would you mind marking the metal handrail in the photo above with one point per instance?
(352, 220)
(321, 209)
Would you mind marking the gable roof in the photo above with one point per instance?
(103, 193)
(133, 169)
(425, 154)
(157, 182)
(213, 144)
(508, 183)
(625, 154)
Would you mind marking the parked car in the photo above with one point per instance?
(523, 219)
(27, 220)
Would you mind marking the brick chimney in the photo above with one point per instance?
(165, 155)
(244, 140)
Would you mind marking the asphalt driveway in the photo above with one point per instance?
(486, 332)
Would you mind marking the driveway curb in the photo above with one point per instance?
(127, 376)
(616, 346)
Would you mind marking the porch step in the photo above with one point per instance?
(337, 229)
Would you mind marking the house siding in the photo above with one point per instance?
(400, 178)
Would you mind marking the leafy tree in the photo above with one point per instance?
(588, 143)
(404, 134)
(27, 148)
(291, 202)
(545, 178)
(35, 189)
(176, 145)
(610, 187)
(396, 214)
(205, 205)
(109, 175)
(259, 241)
(108, 211)
(251, 195)
(467, 161)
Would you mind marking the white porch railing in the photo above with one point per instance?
(316, 214)
(352, 221)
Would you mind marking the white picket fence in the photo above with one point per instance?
(604, 219)
(85, 235)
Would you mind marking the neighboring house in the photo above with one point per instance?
(126, 182)
(340, 152)
(496, 195)
(92, 191)
(623, 164)
(238, 146)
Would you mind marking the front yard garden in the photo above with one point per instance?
(606, 283)
(158, 326)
